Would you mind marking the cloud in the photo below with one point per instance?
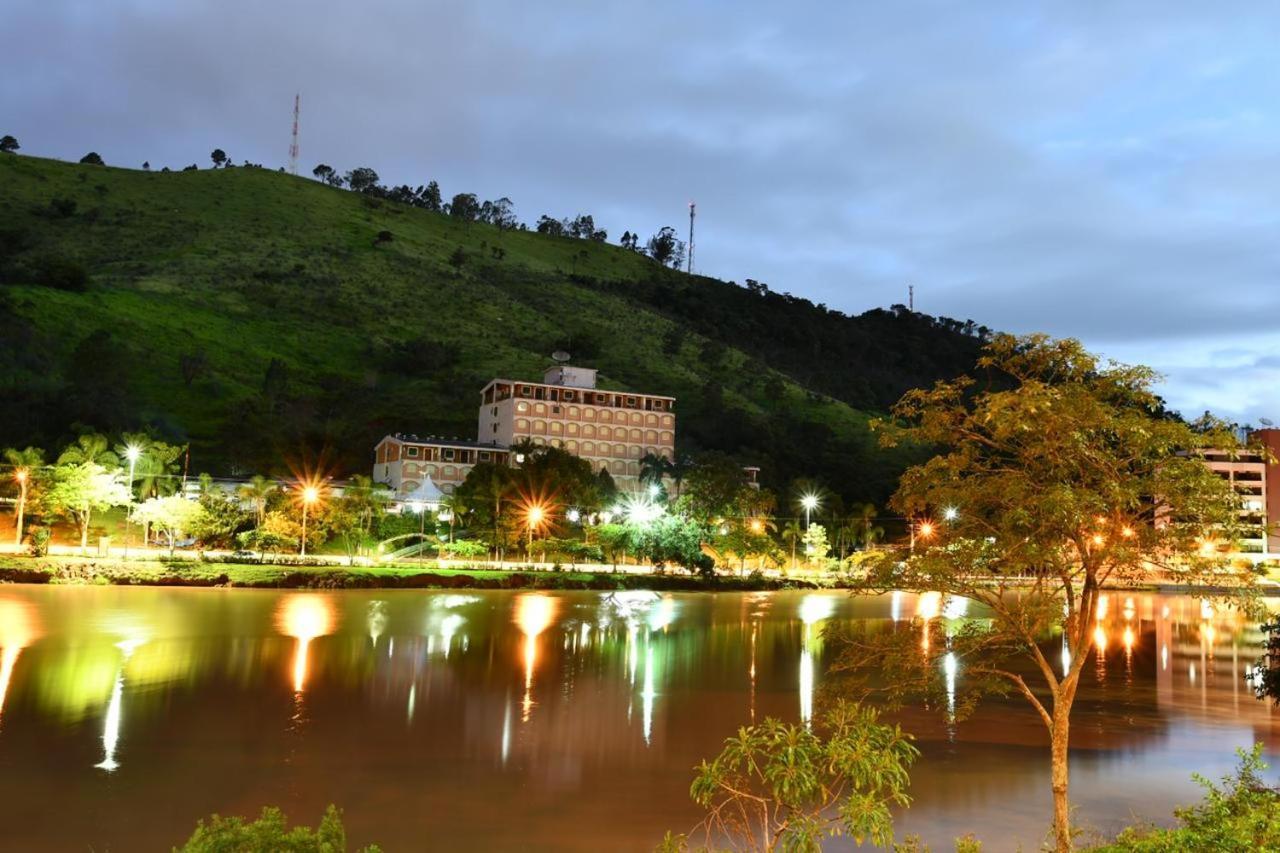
(1107, 173)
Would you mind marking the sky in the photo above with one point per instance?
(1104, 171)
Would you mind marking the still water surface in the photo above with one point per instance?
(505, 721)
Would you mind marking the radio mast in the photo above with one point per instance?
(293, 145)
(693, 207)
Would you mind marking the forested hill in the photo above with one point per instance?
(265, 318)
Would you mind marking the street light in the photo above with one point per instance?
(950, 513)
(923, 528)
(310, 494)
(132, 452)
(810, 503)
(21, 476)
(533, 516)
(573, 516)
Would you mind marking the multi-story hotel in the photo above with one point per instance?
(612, 430)
(1246, 471)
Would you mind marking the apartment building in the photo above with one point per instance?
(612, 430)
(1246, 471)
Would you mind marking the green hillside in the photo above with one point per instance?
(258, 316)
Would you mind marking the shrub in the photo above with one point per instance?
(60, 274)
(270, 832)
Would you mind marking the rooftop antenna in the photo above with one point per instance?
(1266, 422)
(293, 145)
(693, 208)
(911, 298)
(560, 356)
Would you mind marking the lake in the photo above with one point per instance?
(540, 721)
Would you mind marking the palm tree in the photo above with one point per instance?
(793, 532)
(454, 506)
(256, 492)
(680, 468)
(365, 499)
(864, 520)
(156, 467)
(25, 463)
(653, 467)
(90, 447)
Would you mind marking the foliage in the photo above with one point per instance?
(172, 515)
(8, 144)
(816, 548)
(93, 158)
(782, 786)
(715, 487)
(1265, 675)
(1240, 816)
(671, 539)
(269, 832)
(1053, 472)
(278, 532)
(221, 520)
(665, 248)
(80, 489)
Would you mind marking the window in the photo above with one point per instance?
(555, 410)
(412, 452)
(522, 407)
(484, 456)
(631, 401)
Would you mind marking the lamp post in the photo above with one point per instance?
(21, 476)
(535, 518)
(132, 452)
(925, 529)
(810, 503)
(309, 496)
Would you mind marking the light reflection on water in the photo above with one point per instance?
(577, 716)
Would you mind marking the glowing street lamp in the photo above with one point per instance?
(132, 452)
(534, 518)
(310, 495)
(950, 514)
(810, 503)
(574, 516)
(757, 526)
(21, 476)
(923, 529)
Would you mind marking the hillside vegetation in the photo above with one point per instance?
(267, 319)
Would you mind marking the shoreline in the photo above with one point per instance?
(189, 573)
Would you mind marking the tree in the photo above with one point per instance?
(458, 259)
(714, 488)
(27, 468)
(671, 539)
(783, 786)
(79, 489)
(89, 447)
(256, 492)
(490, 490)
(363, 180)
(665, 248)
(366, 502)
(323, 172)
(816, 547)
(1065, 476)
(221, 520)
(864, 523)
(8, 144)
(499, 213)
(465, 207)
(219, 157)
(430, 198)
(792, 533)
(172, 516)
(270, 832)
(155, 473)
(550, 226)
(278, 532)
(92, 159)
(653, 468)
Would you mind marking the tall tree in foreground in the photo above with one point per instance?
(1061, 478)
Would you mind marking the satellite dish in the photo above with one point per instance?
(560, 356)
(1266, 422)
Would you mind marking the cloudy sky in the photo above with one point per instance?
(1099, 170)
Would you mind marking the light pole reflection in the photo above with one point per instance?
(19, 628)
(115, 708)
(813, 609)
(304, 616)
(534, 614)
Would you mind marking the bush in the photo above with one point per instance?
(270, 832)
(1242, 815)
(60, 274)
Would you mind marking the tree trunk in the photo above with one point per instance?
(1060, 734)
(84, 534)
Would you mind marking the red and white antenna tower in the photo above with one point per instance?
(693, 207)
(293, 145)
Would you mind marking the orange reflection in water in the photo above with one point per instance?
(534, 614)
(304, 616)
(19, 628)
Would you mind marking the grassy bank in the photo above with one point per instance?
(78, 570)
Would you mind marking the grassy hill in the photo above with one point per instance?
(258, 316)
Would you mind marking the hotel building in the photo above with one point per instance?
(612, 430)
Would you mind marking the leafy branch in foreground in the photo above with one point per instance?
(778, 786)
(270, 832)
